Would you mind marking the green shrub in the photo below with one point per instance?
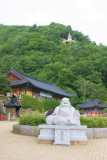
(33, 103)
(50, 104)
(37, 119)
(32, 119)
(94, 122)
(105, 110)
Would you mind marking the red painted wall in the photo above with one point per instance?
(12, 77)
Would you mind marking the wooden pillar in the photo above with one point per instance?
(32, 93)
(87, 112)
(25, 90)
(91, 112)
(19, 91)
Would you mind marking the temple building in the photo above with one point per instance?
(33, 87)
(92, 108)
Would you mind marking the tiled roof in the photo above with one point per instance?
(16, 74)
(92, 104)
(38, 84)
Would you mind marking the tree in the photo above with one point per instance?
(39, 51)
(66, 78)
(4, 84)
(33, 28)
(89, 90)
(6, 62)
(95, 77)
(51, 72)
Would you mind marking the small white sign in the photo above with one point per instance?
(45, 95)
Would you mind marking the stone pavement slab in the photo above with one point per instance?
(21, 147)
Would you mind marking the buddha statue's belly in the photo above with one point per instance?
(64, 112)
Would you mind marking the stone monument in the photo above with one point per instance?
(12, 107)
(64, 114)
(69, 38)
(63, 126)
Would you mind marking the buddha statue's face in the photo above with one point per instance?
(65, 102)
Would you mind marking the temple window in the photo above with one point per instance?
(97, 111)
(44, 95)
(36, 95)
(59, 100)
(22, 91)
(93, 111)
(85, 111)
(48, 98)
(101, 111)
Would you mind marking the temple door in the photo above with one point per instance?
(95, 112)
(89, 113)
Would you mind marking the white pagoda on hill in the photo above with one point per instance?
(69, 39)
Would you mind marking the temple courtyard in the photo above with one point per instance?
(21, 147)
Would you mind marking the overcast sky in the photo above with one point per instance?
(87, 16)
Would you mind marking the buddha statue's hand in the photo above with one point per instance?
(76, 115)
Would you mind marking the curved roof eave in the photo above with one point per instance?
(53, 89)
(49, 89)
(17, 83)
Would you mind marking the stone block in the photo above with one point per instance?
(12, 112)
(27, 130)
(89, 133)
(104, 132)
(16, 129)
(62, 135)
(100, 132)
(36, 131)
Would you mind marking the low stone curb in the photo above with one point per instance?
(96, 132)
(26, 130)
(35, 131)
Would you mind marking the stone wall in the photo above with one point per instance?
(35, 131)
(26, 130)
(12, 112)
(28, 111)
(104, 114)
(1, 105)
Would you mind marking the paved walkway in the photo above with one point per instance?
(20, 147)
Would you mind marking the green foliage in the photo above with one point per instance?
(4, 82)
(1, 112)
(86, 88)
(94, 122)
(105, 110)
(32, 119)
(37, 119)
(50, 104)
(33, 103)
(39, 51)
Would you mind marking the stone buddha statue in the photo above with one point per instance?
(64, 114)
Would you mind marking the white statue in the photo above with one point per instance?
(64, 114)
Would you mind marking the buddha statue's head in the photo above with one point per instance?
(65, 102)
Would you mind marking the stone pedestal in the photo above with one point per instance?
(12, 112)
(62, 135)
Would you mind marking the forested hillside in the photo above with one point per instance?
(39, 51)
